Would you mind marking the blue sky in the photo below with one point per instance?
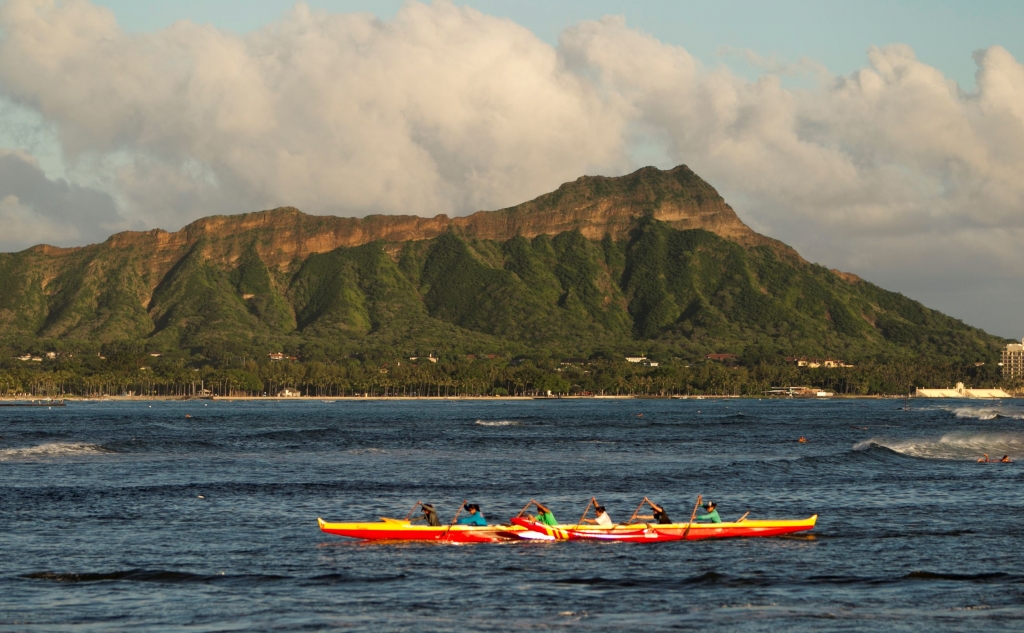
(943, 33)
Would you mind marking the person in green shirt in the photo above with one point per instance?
(712, 513)
(544, 514)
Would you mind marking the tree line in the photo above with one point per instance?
(453, 377)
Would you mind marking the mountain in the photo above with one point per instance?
(654, 261)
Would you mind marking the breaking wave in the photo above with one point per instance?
(988, 413)
(961, 446)
(497, 423)
(52, 450)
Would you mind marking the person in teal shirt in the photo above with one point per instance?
(712, 513)
(475, 517)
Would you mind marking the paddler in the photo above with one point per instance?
(430, 515)
(658, 515)
(475, 517)
(712, 513)
(602, 517)
(544, 514)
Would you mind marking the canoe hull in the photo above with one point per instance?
(527, 529)
(654, 533)
(399, 530)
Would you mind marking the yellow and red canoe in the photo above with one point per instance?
(527, 529)
(388, 529)
(654, 532)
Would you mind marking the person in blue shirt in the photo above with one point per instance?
(475, 517)
(712, 513)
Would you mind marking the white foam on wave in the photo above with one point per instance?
(987, 413)
(962, 446)
(497, 423)
(51, 450)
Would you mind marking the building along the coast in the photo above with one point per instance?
(960, 392)
(1013, 360)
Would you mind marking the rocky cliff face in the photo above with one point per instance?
(594, 205)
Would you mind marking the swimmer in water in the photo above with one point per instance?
(984, 459)
(1006, 460)
(802, 440)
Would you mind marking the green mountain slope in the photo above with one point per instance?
(653, 262)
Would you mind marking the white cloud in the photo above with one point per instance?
(34, 208)
(441, 110)
(893, 172)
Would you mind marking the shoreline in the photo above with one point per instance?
(331, 399)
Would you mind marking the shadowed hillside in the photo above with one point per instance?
(655, 260)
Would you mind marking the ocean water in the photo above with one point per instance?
(132, 517)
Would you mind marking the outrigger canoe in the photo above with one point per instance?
(653, 533)
(404, 530)
(526, 529)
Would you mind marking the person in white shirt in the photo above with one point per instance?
(602, 517)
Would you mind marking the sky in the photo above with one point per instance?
(880, 138)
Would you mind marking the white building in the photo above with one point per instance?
(961, 392)
(1013, 360)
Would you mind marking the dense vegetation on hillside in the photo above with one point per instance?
(500, 315)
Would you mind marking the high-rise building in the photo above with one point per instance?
(1013, 360)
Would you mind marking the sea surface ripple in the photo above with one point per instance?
(131, 517)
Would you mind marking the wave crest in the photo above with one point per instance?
(497, 423)
(959, 445)
(52, 450)
(987, 413)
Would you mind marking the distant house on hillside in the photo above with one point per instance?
(814, 363)
(277, 356)
(635, 359)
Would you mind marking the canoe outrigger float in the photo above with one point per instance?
(528, 528)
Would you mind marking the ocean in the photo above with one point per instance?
(120, 516)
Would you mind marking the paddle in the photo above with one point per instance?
(742, 517)
(456, 518)
(532, 501)
(409, 516)
(633, 516)
(692, 515)
(592, 502)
